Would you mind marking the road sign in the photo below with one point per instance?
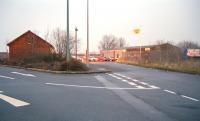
(137, 31)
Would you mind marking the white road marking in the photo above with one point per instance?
(124, 80)
(171, 92)
(13, 101)
(119, 75)
(189, 98)
(115, 75)
(131, 83)
(135, 80)
(144, 83)
(1, 91)
(94, 87)
(23, 74)
(6, 77)
(155, 87)
(140, 87)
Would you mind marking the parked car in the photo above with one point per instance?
(107, 59)
(100, 59)
(113, 59)
(93, 59)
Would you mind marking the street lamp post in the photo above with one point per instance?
(87, 51)
(67, 42)
(76, 41)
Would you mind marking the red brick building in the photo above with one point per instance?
(29, 45)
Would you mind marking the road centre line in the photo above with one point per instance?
(168, 91)
(30, 75)
(189, 98)
(13, 101)
(7, 77)
(94, 87)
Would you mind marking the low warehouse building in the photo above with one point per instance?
(153, 53)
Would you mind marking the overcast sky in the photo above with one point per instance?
(175, 20)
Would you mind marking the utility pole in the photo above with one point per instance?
(76, 42)
(67, 43)
(87, 51)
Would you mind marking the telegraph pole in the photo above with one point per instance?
(76, 42)
(67, 42)
(87, 51)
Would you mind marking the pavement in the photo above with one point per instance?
(128, 93)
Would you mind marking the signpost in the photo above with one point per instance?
(137, 32)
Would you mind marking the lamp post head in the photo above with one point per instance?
(76, 29)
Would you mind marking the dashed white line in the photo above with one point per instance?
(171, 92)
(144, 83)
(119, 74)
(124, 80)
(135, 80)
(115, 75)
(23, 74)
(131, 83)
(7, 77)
(189, 98)
(155, 87)
(13, 101)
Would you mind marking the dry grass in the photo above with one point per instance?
(189, 66)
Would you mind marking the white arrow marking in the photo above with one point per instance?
(13, 101)
(6, 77)
(24, 74)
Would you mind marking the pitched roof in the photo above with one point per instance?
(32, 34)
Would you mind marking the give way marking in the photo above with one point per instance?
(23, 74)
(13, 101)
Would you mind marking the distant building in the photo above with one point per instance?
(152, 53)
(3, 55)
(29, 45)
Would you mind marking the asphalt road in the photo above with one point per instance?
(129, 93)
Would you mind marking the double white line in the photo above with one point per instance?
(133, 80)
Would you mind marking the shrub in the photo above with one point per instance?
(73, 65)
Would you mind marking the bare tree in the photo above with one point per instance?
(60, 36)
(121, 42)
(188, 44)
(109, 42)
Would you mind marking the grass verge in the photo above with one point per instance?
(191, 67)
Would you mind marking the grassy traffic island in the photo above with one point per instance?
(49, 63)
(187, 66)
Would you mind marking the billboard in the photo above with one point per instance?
(193, 52)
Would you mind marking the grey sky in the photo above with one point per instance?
(175, 20)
